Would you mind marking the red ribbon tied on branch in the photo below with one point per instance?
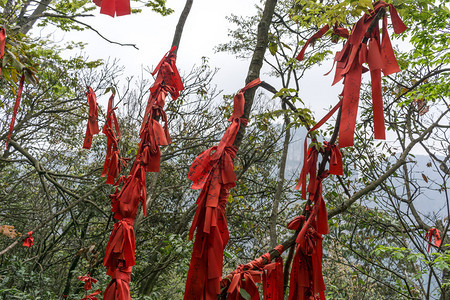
(212, 172)
(433, 233)
(16, 107)
(244, 277)
(168, 73)
(88, 281)
(28, 242)
(272, 277)
(306, 280)
(380, 57)
(113, 160)
(2, 45)
(114, 7)
(118, 288)
(92, 296)
(92, 125)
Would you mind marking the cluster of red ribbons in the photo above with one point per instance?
(92, 125)
(114, 7)
(152, 134)
(213, 172)
(88, 281)
(349, 65)
(306, 280)
(113, 160)
(246, 276)
(29, 240)
(120, 251)
(433, 233)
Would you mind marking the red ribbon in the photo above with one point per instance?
(88, 280)
(168, 73)
(380, 57)
(244, 277)
(125, 202)
(114, 7)
(433, 233)
(2, 45)
(113, 161)
(306, 274)
(28, 242)
(315, 36)
(273, 282)
(121, 246)
(212, 172)
(239, 100)
(310, 157)
(16, 107)
(91, 296)
(92, 125)
(118, 288)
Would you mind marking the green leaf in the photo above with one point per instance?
(245, 294)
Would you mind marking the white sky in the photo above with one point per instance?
(205, 28)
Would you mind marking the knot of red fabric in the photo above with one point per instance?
(243, 278)
(121, 245)
(28, 242)
(92, 125)
(88, 280)
(295, 223)
(125, 201)
(433, 233)
(168, 73)
(239, 100)
(92, 296)
(336, 167)
(280, 249)
(118, 288)
(114, 7)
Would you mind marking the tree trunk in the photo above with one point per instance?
(280, 184)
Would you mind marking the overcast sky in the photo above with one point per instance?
(205, 28)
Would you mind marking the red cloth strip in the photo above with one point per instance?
(121, 246)
(113, 161)
(2, 44)
(433, 233)
(29, 240)
(213, 172)
(114, 7)
(16, 107)
(88, 280)
(92, 296)
(92, 125)
(315, 36)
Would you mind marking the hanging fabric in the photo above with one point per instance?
(433, 233)
(2, 45)
(28, 242)
(16, 107)
(349, 65)
(92, 125)
(113, 160)
(114, 7)
(213, 172)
